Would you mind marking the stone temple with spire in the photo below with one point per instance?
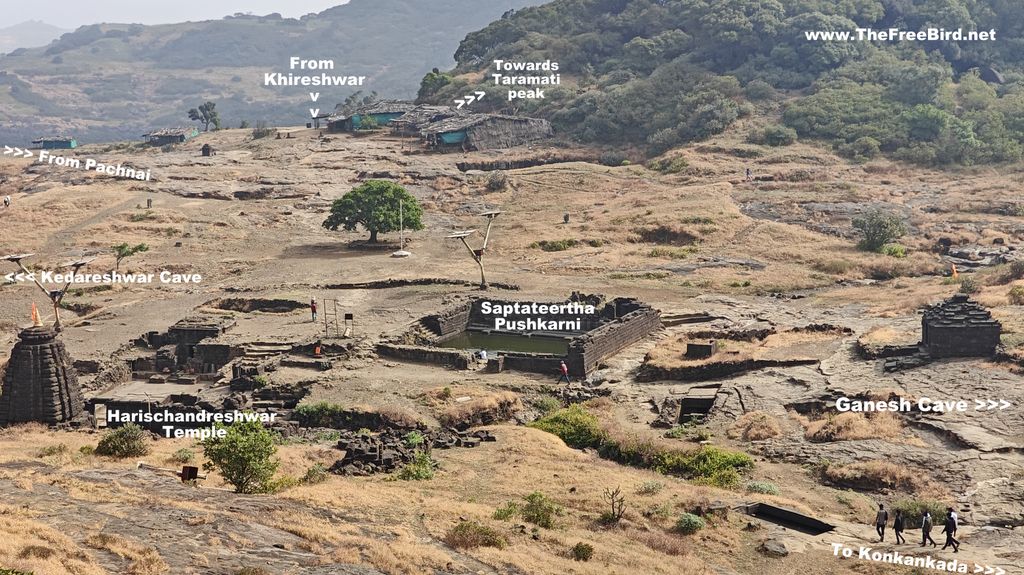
(40, 384)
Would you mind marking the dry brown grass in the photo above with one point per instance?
(30, 546)
(875, 475)
(143, 560)
(755, 426)
(491, 408)
(660, 541)
(851, 426)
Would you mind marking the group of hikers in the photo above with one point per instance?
(950, 526)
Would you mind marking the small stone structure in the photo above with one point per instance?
(959, 327)
(697, 350)
(41, 383)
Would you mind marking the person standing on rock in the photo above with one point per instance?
(898, 525)
(312, 308)
(881, 520)
(926, 530)
(950, 529)
(565, 373)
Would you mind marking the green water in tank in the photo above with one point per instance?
(493, 342)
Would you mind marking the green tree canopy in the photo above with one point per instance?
(207, 114)
(375, 206)
(122, 251)
(244, 456)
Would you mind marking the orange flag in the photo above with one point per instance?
(955, 274)
(35, 316)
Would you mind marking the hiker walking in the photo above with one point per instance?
(956, 520)
(312, 307)
(7, 202)
(881, 519)
(898, 525)
(565, 373)
(926, 530)
(750, 175)
(950, 529)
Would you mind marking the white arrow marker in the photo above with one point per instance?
(17, 152)
(8, 150)
(979, 405)
(460, 103)
(314, 96)
(29, 154)
(1000, 571)
(989, 570)
(978, 568)
(314, 112)
(470, 99)
(9, 277)
(480, 95)
(1003, 404)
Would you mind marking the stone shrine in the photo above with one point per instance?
(41, 384)
(959, 327)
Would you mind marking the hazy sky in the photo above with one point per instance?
(74, 13)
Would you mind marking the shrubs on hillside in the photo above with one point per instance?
(879, 228)
(244, 457)
(129, 440)
(581, 429)
(470, 535)
(688, 523)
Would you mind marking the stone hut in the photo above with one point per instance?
(959, 327)
(40, 384)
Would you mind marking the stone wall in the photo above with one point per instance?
(450, 321)
(533, 362)
(589, 350)
(453, 357)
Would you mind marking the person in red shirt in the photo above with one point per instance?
(312, 307)
(565, 373)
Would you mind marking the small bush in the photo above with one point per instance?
(244, 457)
(507, 511)
(773, 135)
(321, 414)
(879, 228)
(762, 487)
(582, 551)
(497, 181)
(147, 215)
(574, 425)
(129, 440)
(660, 511)
(555, 245)
(688, 523)
(315, 474)
(87, 450)
(650, 488)
(1016, 295)
(540, 510)
(547, 404)
(414, 439)
(913, 510)
(421, 468)
(470, 535)
(260, 381)
(261, 131)
(445, 394)
(703, 463)
(969, 286)
(612, 158)
(183, 456)
(727, 478)
(894, 250)
(52, 450)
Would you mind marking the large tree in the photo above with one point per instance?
(207, 114)
(375, 206)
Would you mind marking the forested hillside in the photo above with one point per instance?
(116, 81)
(657, 73)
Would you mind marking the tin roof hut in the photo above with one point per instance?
(485, 132)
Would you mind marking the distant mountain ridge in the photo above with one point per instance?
(80, 83)
(30, 34)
